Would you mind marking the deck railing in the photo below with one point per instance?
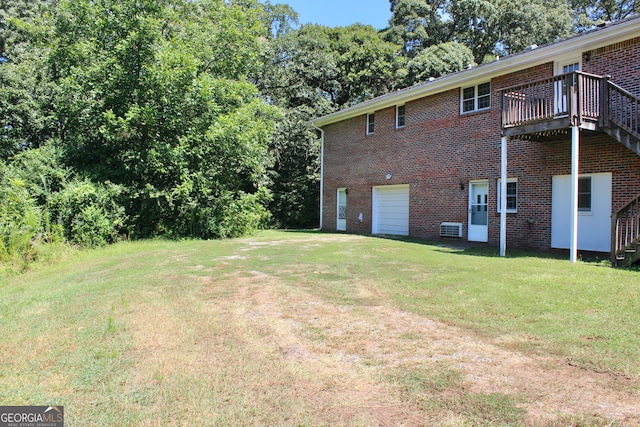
(626, 224)
(576, 96)
(623, 109)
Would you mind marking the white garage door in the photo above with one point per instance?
(391, 210)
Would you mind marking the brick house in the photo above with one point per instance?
(558, 123)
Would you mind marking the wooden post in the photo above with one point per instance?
(603, 120)
(614, 239)
(574, 100)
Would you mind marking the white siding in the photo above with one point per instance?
(594, 228)
(391, 210)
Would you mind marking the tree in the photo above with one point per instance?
(279, 18)
(525, 26)
(436, 61)
(19, 21)
(155, 96)
(487, 27)
(310, 72)
(25, 87)
(418, 24)
(365, 64)
(588, 13)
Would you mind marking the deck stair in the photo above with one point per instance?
(622, 116)
(626, 234)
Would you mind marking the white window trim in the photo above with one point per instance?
(374, 123)
(590, 211)
(398, 126)
(475, 98)
(566, 60)
(499, 194)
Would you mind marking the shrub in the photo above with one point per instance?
(91, 227)
(240, 215)
(90, 214)
(26, 185)
(42, 171)
(20, 221)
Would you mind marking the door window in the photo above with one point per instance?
(479, 206)
(342, 209)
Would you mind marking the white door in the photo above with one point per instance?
(341, 224)
(478, 211)
(560, 104)
(390, 210)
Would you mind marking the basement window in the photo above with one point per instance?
(584, 194)
(512, 195)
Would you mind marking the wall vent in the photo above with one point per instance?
(451, 229)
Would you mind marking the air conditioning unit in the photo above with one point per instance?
(451, 229)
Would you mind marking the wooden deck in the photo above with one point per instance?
(573, 99)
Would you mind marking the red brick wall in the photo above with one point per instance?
(535, 163)
(620, 60)
(439, 149)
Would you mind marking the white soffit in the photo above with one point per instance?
(599, 37)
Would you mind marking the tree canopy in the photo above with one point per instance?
(486, 27)
(589, 12)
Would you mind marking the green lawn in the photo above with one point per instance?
(138, 333)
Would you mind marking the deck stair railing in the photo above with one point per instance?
(623, 116)
(626, 233)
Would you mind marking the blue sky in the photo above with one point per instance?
(334, 13)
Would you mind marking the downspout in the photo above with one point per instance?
(321, 171)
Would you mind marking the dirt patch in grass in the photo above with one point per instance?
(264, 351)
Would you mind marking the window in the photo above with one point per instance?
(476, 98)
(512, 195)
(371, 123)
(567, 64)
(341, 225)
(400, 117)
(570, 68)
(584, 194)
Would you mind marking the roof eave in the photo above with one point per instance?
(615, 33)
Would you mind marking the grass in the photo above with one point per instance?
(159, 333)
(443, 390)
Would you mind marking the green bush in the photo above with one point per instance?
(246, 214)
(20, 222)
(27, 183)
(42, 171)
(91, 227)
(240, 215)
(41, 209)
(90, 214)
